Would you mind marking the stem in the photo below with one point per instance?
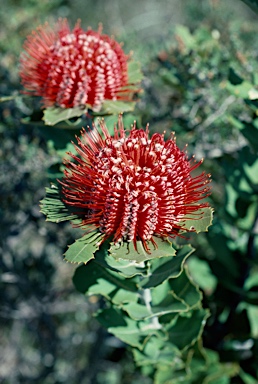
(147, 300)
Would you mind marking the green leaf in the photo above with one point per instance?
(157, 351)
(222, 373)
(3, 99)
(114, 107)
(247, 379)
(164, 268)
(135, 74)
(225, 263)
(196, 358)
(187, 40)
(185, 289)
(174, 295)
(126, 251)
(231, 197)
(250, 132)
(201, 274)
(169, 304)
(54, 208)
(251, 169)
(134, 333)
(251, 289)
(252, 312)
(252, 280)
(166, 375)
(92, 279)
(243, 90)
(83, 249)
(54, 115)
(169, 78)
(186, 330)
(203, 220)
(123, 267)
(196, 369)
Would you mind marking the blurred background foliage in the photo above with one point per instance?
(200, 65)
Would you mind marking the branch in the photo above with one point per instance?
(219, 112)
(147, 300)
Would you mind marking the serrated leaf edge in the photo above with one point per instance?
(96, 236)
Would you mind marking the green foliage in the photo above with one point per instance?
(54, 208)
(147, 312)
(109, 284)
(248, 92)
(202, 274)
(168, 304)
(84, 248)
(179, 332)
(202, 367)
(54, 115)
(201, 221)
(161, 269)
(127, 251)
(124, 268)
(188, 90)
(110, 107)
(135, 75)
(209, 90)
(152, 301)
(129, 331)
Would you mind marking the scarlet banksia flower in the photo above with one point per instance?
(131, 186)
(72, 68)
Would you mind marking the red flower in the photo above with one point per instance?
(72, 68)
(133, 186)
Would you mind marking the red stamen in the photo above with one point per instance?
(133, 187)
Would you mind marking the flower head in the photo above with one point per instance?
(72, 68)
(132, 186)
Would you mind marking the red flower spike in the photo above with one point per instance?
(133, 186)
(72, 68)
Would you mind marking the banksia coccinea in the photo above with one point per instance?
(132, 187)
(73, 68)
